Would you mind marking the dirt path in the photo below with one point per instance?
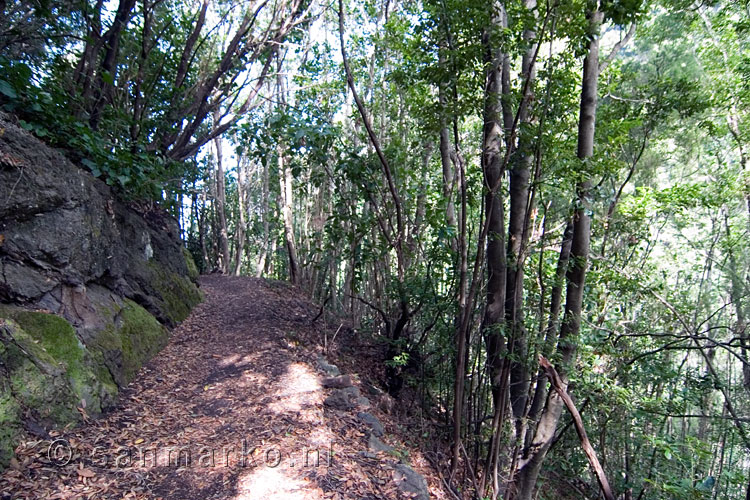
(232, 408)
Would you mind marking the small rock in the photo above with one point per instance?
(327, 368)
(372, 422)
(35, 429)
(410, 483)
(364, 403)
(337, 382)
(373, 390)
(343, 399)
(376, 445)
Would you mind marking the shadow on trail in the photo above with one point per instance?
(232, 408)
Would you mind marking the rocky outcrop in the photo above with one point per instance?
(88, 287)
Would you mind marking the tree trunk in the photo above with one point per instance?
(108, 65)
(285, 188)
(550, 338)
(240, 233)
(492, 166)
(221, 216)
(529, 469)
(446, 155)
(517, 228)
(262, 258)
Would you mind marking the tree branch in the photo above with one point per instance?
(616, 49)
(558, 385)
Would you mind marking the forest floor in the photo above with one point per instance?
(232, 408)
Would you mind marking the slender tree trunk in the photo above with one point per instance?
(138, 101)
(492, 165)
(550, 338)
(446, 162)
(528, 472)
(111, 40)
(221, 216)
(202, 232)
(240, 233)
(520, 173)
(462, 327)
(261, 265)
(285, 186)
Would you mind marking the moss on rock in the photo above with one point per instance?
(46, 369)
(59, 341)
(142, 336)
(192, 269)
(126, 343)
(32, 382)
(9, 422)
(178, 293)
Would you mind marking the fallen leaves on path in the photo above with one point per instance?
(232, 408)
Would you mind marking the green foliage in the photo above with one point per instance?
(135, 173)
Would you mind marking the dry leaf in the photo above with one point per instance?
(86, 473)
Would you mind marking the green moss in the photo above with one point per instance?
(193, 273)
(35, 378)
(50, 397)
(46, 370)
(19, 346)
(108, 339)
(179, 294)
(109, 387)
(121, 348)
(59, 340)
(142, 336)
(10, 423)
(53, 345)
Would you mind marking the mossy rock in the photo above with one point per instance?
(142, 337)
(131, 339)
(192, 269)
(33, 383)
(10, 423)
(178, 293)
(57, 338)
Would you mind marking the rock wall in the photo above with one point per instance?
(88, 288)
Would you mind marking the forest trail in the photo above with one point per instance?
(239, 376)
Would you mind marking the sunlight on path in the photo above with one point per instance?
(298, 394)
(275, 483)
(299, 391)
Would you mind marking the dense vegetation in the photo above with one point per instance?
(475, 184)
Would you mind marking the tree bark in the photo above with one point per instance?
(241, 225)
(530, 466)
(550, 338)
(108, 65)
(285, 188)
(221, 216)
(520, 173)
(492, 167)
